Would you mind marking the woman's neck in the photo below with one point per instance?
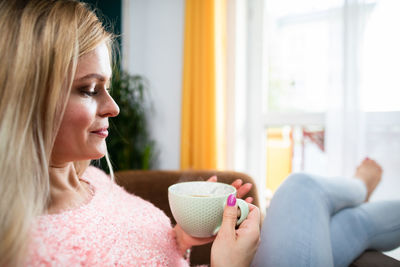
(63, 177)
(66, 190)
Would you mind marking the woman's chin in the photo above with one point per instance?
(98, 155)
(99, 151)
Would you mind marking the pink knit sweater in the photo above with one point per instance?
(114, 229)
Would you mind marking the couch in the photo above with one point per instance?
(153, 186)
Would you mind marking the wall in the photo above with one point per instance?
(152, 45)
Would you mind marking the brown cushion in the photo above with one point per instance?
(375, 259)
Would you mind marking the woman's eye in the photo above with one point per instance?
(88, 92)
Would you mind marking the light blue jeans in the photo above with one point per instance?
(315, 221)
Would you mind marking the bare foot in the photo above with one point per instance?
(370, 173)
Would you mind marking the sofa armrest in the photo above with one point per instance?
(153, 185)
(375, 259)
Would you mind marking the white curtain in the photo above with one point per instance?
(348, 53)
(363, 119)
(381, 94)
(345, 129)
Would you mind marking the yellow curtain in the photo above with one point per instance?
(202, 138)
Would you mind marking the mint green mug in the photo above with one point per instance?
(198, 207)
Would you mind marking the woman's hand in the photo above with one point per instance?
(186, 241)
(236, 247)
(241, 189)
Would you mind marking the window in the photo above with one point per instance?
(320, 90)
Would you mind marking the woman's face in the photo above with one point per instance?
(83, 129)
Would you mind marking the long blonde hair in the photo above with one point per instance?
(40, 44)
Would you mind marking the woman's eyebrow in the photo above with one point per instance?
(93, 76)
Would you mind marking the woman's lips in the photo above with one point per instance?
(101, 132)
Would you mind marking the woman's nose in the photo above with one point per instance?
(108, 108)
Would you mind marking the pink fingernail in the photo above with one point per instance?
(231, 200)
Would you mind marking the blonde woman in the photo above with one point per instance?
(54, 108)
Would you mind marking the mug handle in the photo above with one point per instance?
(244, 211)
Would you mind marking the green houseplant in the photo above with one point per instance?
(129, 143)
